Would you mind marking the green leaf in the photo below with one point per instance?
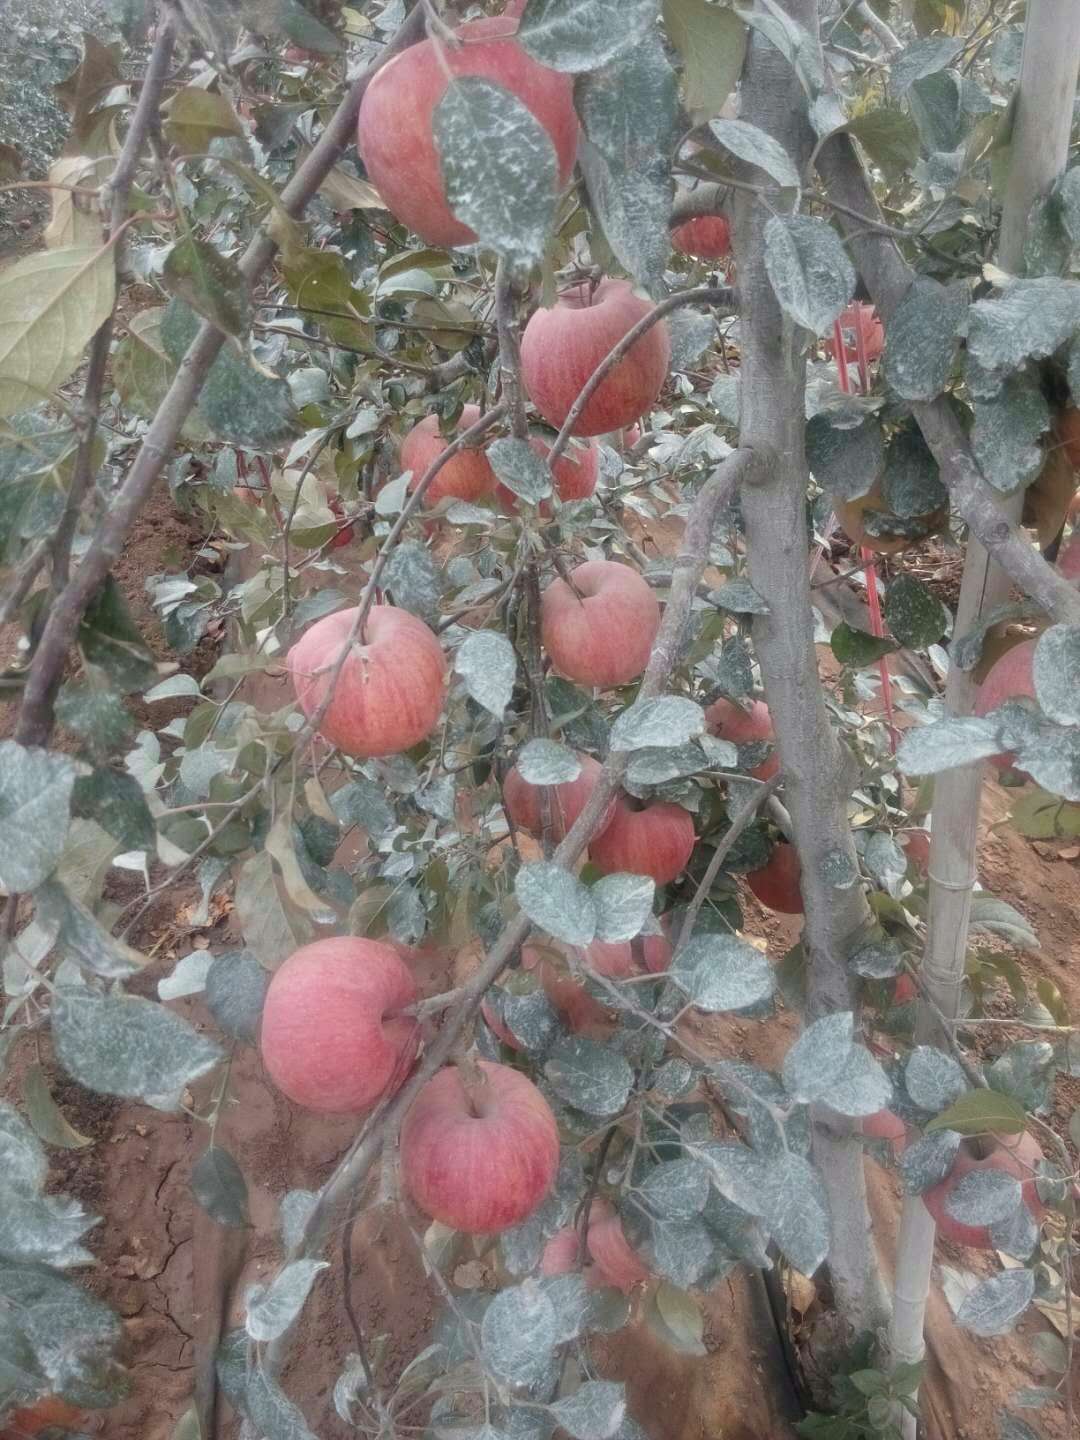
(923, 338)
(676, 1189)
(922, 58)
(520, 469)
(846, 460)
(1007, 430)
(210, 282)
(809, 270)
(589, 1076)
(623, 904)
(188, 976)
(52, 303)
(911, 486)
(46, 1116)
(35, 809)
(945, 744)
(739, 597)
(1001, 919)
(1056, 673)
(499, 167)
(68, 1335)
(487, 664)
(890, 138)
(79, 936)
(519, 1333)
(240, 404)
(722, 972)
(666, 720)
(110, 639)
(557, 901)
(682, 1324)
(546, 762)
(933, 1079)
(270, 930)
(857, 648)
(630, 118)
(826, 1065)
(142, 372)
(994, 1306)
(712, 45)
(915, 616)
(757, 148)
(981, 1112)
(97, 716)
(1030, 320)
(126, 1046)
(218, 1184)
(272, 1308)
(594, 1411)
(982, 1197)
(580, 35)
(194, 117)
(927, 1160)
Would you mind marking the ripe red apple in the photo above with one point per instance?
(776, 884)
(706, 237)
(395, 128)
(390, 692)
(579, 1011)
(479, 1148)
(655, 839)
(561, 348)
(560, 1256)
(332, 1037)
(616, 960)
(744, 727)
(603, 634)
(873, 332)
(574, 473)
(916, 845)
(344, 536)
(44, 1414)
(904, 989)
(1067, 431)
(1009, 678)
(523, 800)
(467, 476)
(616, 1262)
(1012, 1155)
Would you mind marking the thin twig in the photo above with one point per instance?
(739, 821)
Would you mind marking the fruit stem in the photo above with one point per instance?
(475, 1085)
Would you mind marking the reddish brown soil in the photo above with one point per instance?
(179, 1279)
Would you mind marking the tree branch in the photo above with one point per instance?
(36, 716)
(887, 278)
(739, 821)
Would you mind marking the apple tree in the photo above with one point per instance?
(448, 309)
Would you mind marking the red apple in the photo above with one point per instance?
(332, 1037)
(707, 237)
(467, 476)
(916, 845)
(776, 884)
(1012, 1155)
(617, 961)
(1009, 678)
(390, 691)
(45, 1414)
(744, 727)
(523, 800)
(479, 1148)
(580, 1011)
(561, 348)
(1067, 431)
(560, 1255)
(873, 332)
(344, 536)
(616, 1262)
(603, 634)
(395, 129)
(904, 989)
(574, 473)
(655, 839)
(498, 1027)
